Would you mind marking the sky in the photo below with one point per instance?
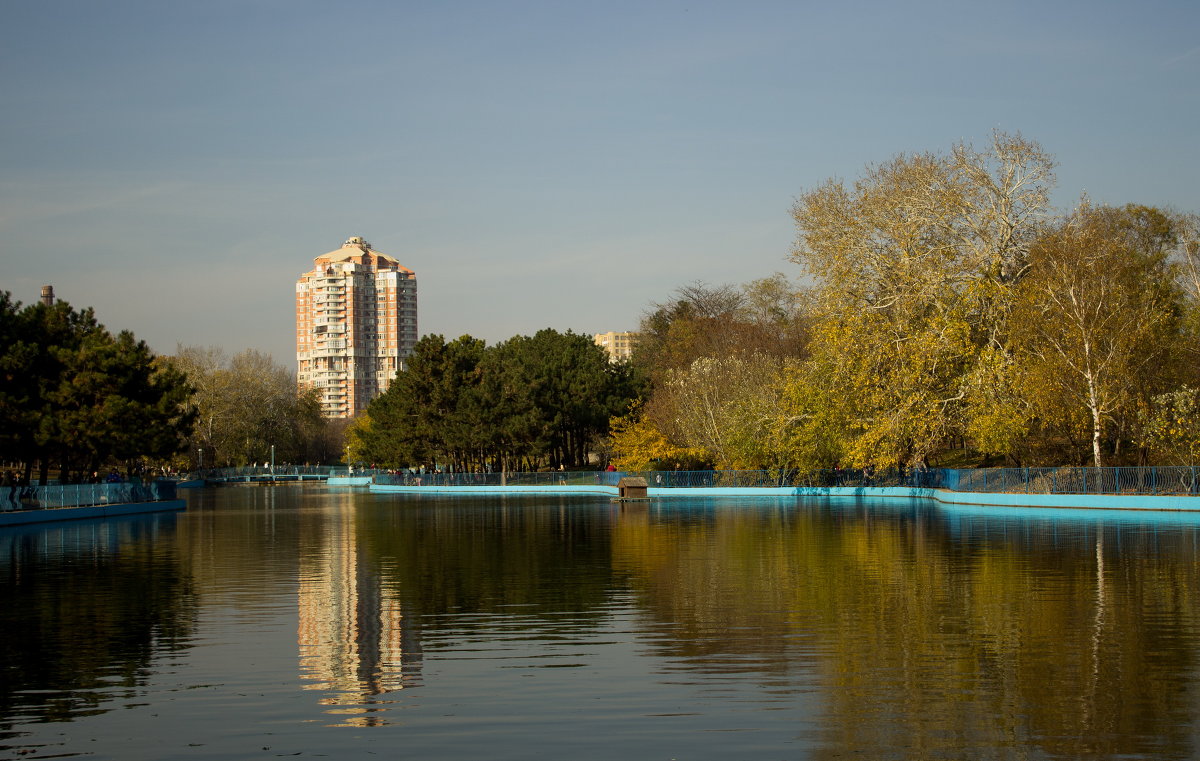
(178, 165)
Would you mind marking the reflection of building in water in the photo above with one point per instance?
(352, 637)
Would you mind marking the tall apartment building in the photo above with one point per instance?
(356, 321)
(619, 345)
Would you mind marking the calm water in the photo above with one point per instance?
(312, 622)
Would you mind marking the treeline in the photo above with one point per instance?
(952, 317)
(246, 405)
(717, 359)
(530, 402)
(74, 398)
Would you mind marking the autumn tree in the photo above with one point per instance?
(638, 444)
(915, 266)
(1170, 426)
(727, 412)
(766, 316)
(1097, 318)
(1185, 256)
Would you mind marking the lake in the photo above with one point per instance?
(307, 621)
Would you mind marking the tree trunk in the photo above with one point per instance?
(1094, 406)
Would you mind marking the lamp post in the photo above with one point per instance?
(201, 451)
(272, 461)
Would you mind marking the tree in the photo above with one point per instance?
(692, 324)
(248, 404)
(1097, 316)
(1171, 426)
(575, 390)
(216, 405)
(638, 445)
(418, 419)
(1185, 254)
(915, 266)
(767, 316)
(74, 395)
(18, 385)
(726, 411)
(116, 400)
(269, 410)
(543, 399)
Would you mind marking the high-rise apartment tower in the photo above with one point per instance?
(356, 321)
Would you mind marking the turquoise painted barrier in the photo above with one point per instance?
(944, 496)
(25, 517)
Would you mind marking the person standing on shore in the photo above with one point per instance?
(10, 485)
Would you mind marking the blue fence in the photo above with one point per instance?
(35, 497)
(1163, 480)
(655, 478)
(1067, 480)
(280, 471)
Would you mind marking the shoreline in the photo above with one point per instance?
(1158, 503)
(56, 514)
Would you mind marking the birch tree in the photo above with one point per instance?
(1097, 317)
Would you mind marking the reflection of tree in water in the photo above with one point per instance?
(84, 609)
(545, 555)
(929, 634)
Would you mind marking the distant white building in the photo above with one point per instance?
(618, 345)
(356, 321)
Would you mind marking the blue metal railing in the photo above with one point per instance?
(549, 478)
(51, 496)
(280, 470)
(1163, 480)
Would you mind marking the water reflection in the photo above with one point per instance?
(928, 632)
(355, 641)
(86, 608)
(753, 629)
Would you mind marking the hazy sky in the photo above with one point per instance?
(177, 165)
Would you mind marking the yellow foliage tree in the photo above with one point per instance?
(1096, 318)
(915, 266)
(356, 433)
(637, 444)
(1171, 428)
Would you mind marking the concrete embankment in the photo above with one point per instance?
(25, 517)
(944, 496)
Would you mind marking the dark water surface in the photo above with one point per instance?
(312, 622)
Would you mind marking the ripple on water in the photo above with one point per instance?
(295, 621)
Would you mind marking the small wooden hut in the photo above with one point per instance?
(632, 487)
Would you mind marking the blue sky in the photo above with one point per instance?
(177, 165)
